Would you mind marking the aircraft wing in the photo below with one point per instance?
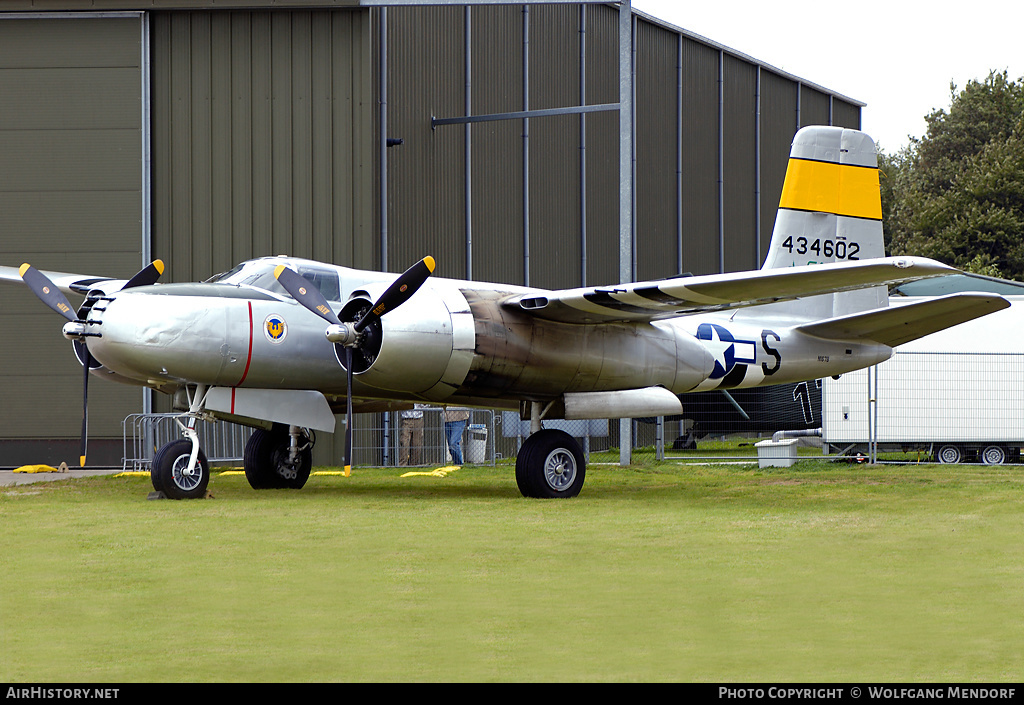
(900, 324)
(686, 295)
(68, 283)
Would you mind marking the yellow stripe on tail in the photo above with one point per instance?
(827, 187)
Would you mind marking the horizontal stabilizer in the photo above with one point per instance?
(900, 324)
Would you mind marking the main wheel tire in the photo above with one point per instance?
(993, 455)
(949, 454)
(266, 461)
(169, 475)
(550, 465)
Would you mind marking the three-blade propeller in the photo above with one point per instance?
(347, 335)
(50, 295)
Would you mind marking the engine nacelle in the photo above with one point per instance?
(411, 348)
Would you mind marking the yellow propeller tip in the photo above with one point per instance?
(159, 264)
(81, 460)
(348, 470)
(277, 271)
(23, 268)
(429, 261)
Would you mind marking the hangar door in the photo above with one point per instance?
(71, 200)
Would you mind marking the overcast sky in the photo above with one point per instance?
(896, 56)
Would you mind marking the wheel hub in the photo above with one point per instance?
(183, 477)
(560, 469)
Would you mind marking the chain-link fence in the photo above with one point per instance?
(426, 435)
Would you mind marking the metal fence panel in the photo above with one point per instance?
(145, 434)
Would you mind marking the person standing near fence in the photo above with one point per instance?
(454, 424)
(410, 437)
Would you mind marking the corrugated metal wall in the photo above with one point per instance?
(555, 183)
(426, 182)
(711, 125)
(815, 107)
(601, 30)
(700, 157)
(263, 139)
(656, 219)
(778, 125)
(71, 200)
(739, 144)
(496, 39)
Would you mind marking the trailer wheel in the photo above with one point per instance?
(993, 455)
(949, 454)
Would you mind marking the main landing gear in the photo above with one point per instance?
(279, 458)
(550, 464)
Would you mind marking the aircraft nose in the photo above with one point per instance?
(159, 338)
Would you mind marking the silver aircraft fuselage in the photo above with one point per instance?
(453, 342)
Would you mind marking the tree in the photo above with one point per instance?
(957, 194)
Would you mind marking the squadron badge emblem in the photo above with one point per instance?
(275, 328)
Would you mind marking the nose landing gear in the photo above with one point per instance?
(279, 458)
(180, 469)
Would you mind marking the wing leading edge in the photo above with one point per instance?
(646, 301)
(68, 283)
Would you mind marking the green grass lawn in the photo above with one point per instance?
(819, 572)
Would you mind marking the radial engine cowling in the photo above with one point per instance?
(410, 349)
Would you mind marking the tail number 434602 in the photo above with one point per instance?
(840, 248)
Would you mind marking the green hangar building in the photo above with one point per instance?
(555, 144)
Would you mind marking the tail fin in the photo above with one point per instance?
(830, 211)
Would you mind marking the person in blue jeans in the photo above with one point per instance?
(454, 425)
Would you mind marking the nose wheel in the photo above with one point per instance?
(175, 475)
(180, 469)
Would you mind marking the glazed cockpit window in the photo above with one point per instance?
(261, 276)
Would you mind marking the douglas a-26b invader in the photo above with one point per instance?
(280, 343)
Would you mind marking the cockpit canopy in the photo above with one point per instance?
(260, 274)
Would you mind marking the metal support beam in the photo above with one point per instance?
(758, 229)
(679, 154)
(583, 145)
(526, 146)
(523, 114)
(625, 182)
(383, 146)
(468, 136)
(721, 162)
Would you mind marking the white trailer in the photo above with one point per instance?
(957, 394)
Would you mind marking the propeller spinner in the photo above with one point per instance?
(347, 334)
(76, 329)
